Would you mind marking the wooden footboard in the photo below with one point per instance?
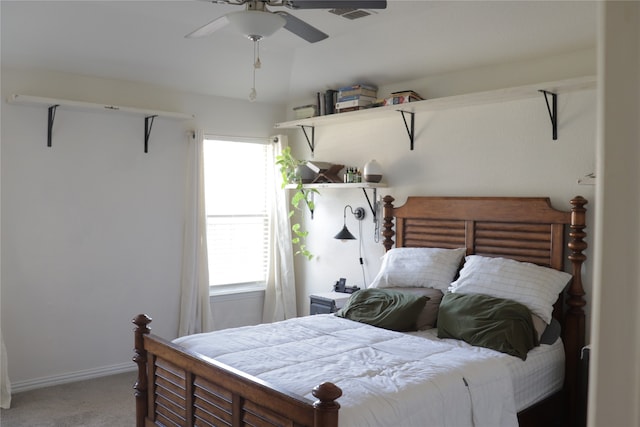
(176, 387)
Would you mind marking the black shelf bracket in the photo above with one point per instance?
(410, 129)
(148, 124)
(373, 206)
(311, 142)
(52, 117)
(553, 111)
(312, 199)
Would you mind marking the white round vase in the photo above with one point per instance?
(372, 171)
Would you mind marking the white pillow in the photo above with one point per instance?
(534, 286)
(419, 268)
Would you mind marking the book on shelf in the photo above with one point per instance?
(305, 111)
(407, 93)
(357, 97)
(363, 92)
(393, 100)
(330, 98)
(354, 103)
(346, 110)
(357, 86)
(358, 89)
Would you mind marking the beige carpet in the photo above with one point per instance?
(101, 402)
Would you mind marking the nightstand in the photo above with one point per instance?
(327, 302)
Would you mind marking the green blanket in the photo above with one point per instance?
(384, 308)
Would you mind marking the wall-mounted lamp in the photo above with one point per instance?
(345, 234)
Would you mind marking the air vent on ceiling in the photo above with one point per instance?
(350, 13)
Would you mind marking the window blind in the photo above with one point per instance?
(237, 177)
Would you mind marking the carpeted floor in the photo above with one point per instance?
(100, 402)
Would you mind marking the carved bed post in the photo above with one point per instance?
(140, 357)
(388, 233)
(574, 322)
(326, 414)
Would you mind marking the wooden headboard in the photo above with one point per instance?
(527, 229)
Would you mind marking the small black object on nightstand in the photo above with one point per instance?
(341, 287)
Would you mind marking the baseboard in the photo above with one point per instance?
(87, 374)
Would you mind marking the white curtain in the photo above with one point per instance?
(195, 310)
(280, 294)
(5, 384)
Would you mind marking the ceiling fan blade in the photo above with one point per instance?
(209, 28)
(301, 28)
(337, 4)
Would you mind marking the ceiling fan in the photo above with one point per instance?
(257, 22)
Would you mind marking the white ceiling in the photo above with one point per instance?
(144, 41)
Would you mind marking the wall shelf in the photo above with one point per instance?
(373, 186)
(542, 90)
(340, 185)
(53, 104)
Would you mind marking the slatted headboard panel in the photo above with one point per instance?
(526, 229)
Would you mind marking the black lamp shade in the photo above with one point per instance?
(344, 234)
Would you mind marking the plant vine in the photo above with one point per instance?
(290, 171)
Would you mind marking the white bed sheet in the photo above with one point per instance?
(387, 378)
(534, 379)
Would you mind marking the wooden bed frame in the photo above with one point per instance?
(176, 387)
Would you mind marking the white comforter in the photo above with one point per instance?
(387, 378)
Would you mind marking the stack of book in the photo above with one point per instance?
(402, 97)
(355, 97)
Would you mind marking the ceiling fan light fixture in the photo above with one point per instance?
(256, 24)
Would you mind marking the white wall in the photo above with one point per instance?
(614, 389)
(92, 227)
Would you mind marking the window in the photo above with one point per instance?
(238, 178)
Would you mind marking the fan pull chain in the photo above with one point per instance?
(256, 55)
(256, 64)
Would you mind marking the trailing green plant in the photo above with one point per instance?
(302, 197)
